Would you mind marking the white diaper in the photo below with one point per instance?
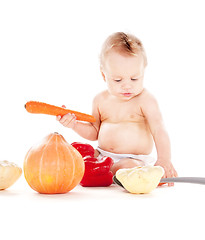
(146, 159)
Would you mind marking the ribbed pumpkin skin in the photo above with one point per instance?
(53, 166)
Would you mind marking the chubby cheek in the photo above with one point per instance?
(138, 88)
(113, 88)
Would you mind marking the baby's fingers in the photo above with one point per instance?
(68, 120)
(170, 184)
(170, 174)
(173, 175)
(58, 118)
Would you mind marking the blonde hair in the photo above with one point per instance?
(125, 42)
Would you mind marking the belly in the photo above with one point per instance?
(126, 137)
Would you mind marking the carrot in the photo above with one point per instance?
(44, 108)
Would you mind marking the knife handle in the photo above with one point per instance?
(197, 180)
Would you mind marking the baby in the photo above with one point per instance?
(127, 115)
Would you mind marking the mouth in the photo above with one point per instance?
(127, 94)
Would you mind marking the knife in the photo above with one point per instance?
(196, 180)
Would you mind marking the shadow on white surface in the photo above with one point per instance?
(101, 212)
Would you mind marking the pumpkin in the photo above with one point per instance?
(9, 173)
(53, 166)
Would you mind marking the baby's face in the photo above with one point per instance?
(123, 74)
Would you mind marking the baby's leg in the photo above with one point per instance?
(126, 163)
(96, 153)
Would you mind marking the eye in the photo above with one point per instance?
(134, 79)
(117, 80)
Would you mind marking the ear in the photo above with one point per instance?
(103, 75)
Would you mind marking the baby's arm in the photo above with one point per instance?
(84, 129)
(153, 115)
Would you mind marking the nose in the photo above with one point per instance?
(126, 85)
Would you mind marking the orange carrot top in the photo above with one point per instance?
(44, 108)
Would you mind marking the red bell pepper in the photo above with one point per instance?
(103, 180)
(84, 149)
(97, 172)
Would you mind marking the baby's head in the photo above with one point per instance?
(122, 62)
(124, 43)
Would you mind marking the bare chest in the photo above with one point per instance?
(111, 111)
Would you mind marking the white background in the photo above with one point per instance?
(49, 52)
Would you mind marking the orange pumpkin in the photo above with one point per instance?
(53, 166)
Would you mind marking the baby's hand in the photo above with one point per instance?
(68, 120)
(169, 170)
